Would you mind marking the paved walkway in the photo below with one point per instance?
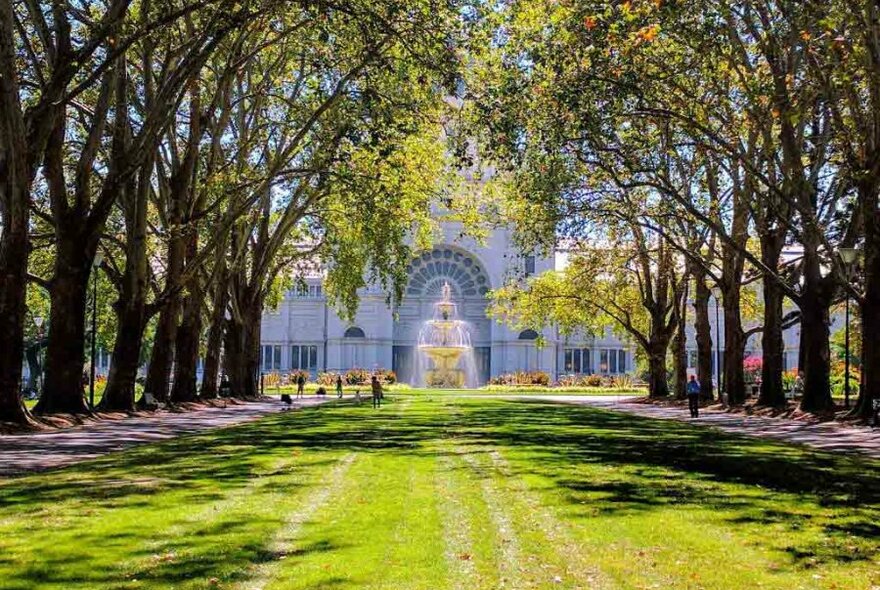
(827, 436)
(45, 450)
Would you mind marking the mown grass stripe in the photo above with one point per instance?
(285, 538)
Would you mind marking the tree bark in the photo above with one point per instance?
(679, 350)
(188, 335)
(869, 389)
(242, 354)
(658, 386)
(772, 342)
(815, 321)
(162, 353)
(131, 307)
(16, 173)
(131, 312)
(734, 346)
(65, 356)
(13, 278)
(119, 395)
(703, 333)
(816, 352)
(215, 336)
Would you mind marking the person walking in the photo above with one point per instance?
(300, 386)
(693, 395)
(377, 392)
(339, 386)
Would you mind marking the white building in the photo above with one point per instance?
(305, 333)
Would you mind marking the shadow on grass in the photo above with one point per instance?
(664, 463)
(657, 464)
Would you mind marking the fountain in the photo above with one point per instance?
(446, 341)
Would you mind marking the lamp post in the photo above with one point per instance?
(716, 293)
(848, 256)
(96, 262)
(38, 321)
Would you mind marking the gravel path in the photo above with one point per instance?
(45, 450)
(826, 436)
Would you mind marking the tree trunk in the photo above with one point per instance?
(131, 308)
(772, 343)
(119, 395)
(658, 386)
(734, 346)
(703, 334)
(215, 338)
(162, 354)
(679, 351)
(15, 180)
(65, 356)
(242, 356)
(870, 306)
(816, 352)
(162, 351)
(815, 321)
(188, 338)
(13, 278)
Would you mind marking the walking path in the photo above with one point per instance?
(45, 450)
(826, 436)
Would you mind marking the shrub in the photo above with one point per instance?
(838, 382)
(271, 379)
(568, 381)
(327, 379)
(622, 382)
(752, 368)
(386, 376)
(788, 379)
(522, 378)
(357, 377)
(294, 375)
(539, 378)
(593, 380)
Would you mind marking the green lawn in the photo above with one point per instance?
(435, 492)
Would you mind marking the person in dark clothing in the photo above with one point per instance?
(339, 386)
(377, 392)
(693, 395)
(225, 386)
(300, 385)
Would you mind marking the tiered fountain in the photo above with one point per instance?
(446, 341)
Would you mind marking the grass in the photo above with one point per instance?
(438, 491)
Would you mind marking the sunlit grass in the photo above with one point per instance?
(438, 491)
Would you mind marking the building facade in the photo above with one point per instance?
(305, 332)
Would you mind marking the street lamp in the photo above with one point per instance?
(716, 293)
(96, 262)
(38, 322)
(848, 256)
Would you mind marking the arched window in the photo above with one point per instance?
(430, 270)
(528, 335)
(354, 332)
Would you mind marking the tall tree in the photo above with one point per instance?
(48, 59)
(81, 197)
